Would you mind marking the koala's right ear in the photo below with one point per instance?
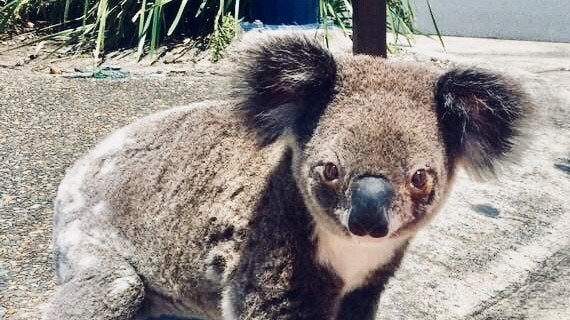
(285, 82)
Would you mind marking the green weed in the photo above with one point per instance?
(102, 25)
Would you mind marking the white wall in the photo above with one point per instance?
(538, 20)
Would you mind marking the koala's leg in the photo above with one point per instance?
(109, 288)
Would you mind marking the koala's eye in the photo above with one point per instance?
(419, 179)
(330, 172)
(421, 184)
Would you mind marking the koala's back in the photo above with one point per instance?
(169, 194)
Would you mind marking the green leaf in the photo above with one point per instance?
(201, 8)
(155, 28)
(337, 18)
(101, 22)
(66, 11)
(177, 18)
(140, 46)
(435, 25)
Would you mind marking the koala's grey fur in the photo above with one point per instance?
(219, 210)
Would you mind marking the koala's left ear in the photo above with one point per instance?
(285, 83)
(480, 115)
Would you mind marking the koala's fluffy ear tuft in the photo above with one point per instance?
(287, 82)
(480, 115)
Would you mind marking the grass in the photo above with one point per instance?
(225, 29)
(102, 25)
(401, 22)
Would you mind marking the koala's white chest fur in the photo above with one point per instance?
(353, 259)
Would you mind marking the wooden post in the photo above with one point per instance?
(369, 27)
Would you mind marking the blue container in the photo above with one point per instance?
(289, 12)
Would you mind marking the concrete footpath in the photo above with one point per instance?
(500, 250)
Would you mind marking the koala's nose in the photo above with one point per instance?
(371, 199)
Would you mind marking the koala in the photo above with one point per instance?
(293, 199)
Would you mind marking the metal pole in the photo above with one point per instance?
(369, 27)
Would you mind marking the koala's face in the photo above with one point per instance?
(376, 164)
(376, 142)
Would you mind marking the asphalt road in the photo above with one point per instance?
(46, 123)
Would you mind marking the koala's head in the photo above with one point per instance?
(376, 143)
